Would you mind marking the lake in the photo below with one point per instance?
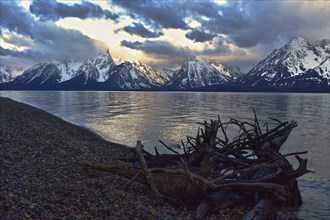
(125, 117)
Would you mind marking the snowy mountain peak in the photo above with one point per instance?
(135, 74)
(117, 60)
(68, 68)
(196, 72)
(8, 73)
(5, 74)
(298, 41)
(96, 69)
(196, 58)
(194, 61)
(107, 51)
(40, 75)
(225, 70)
(297, 44)
(323, 44)
(105, 56)
(297, 61)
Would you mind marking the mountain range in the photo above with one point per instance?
(8, 73)
(297, 66)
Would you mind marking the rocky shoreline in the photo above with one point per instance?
(41, 179)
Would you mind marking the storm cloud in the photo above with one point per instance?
(140, 30)
(252, 23)
(50, 42)
(20, 54)
(221, 47)
(51, 10)
(198, 35)
(232, 30)
(133, 45)
(160, 14)
(17, 40)
(247, 23)
(157, 48)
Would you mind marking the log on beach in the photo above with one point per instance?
(41, 179)
(215, 172)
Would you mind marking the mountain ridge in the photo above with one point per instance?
(196, 72)
(298, 65)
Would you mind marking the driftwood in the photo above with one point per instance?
(261, 211)
(215, 171)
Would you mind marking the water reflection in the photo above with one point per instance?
(316, 199)
(125, 117)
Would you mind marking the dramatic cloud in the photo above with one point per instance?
(133, 45)
(158, 48)
(247, 23)
(208, 9)
(198, 35)
(15, 19)
(50, 42)
(52, 10)
(16, 40)
(251, 23)
(20, 54)
(140, 30)
(161, 14)
(221, 47)
(5, 52)
(232, 31)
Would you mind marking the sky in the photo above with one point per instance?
(157, 32)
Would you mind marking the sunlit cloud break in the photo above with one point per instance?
(239, 33)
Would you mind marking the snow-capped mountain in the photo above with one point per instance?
(8, 73)
(229, 71)
(5, 74)
(196, 72)
(45, 74)
(99, 72)
(95, 69)
(136, 75)
(39, 76)
(68, 69)
(118, 60)
(297, 64)
(165, 71)
(323, 69)
(154, 76)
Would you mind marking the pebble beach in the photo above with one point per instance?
(40, 177)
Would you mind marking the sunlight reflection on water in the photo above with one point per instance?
(125, 117)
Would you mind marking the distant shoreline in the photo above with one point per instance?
(203, 89)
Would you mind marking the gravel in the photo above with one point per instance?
(40, 177)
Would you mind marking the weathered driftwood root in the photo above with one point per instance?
(216, 171)
(146, 172)
(263, 210)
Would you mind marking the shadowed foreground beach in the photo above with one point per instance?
(40, 177)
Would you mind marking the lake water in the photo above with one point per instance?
(125, 117)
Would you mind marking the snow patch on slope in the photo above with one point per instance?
(68, 69)
(197, 72)
(297, 62)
